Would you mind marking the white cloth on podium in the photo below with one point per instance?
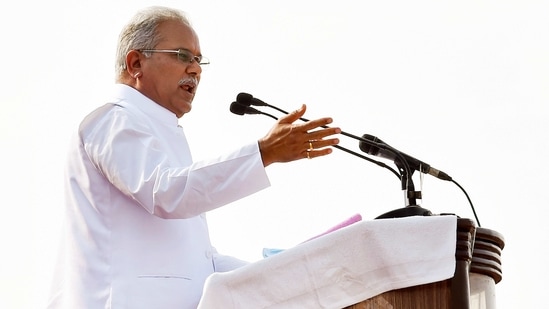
(342, 268)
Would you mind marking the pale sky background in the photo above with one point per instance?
(461, 85)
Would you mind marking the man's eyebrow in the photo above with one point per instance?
(186, 49)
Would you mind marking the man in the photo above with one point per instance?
(135, 234)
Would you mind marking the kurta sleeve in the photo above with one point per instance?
(151, 164)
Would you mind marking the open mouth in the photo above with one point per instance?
(189, 85)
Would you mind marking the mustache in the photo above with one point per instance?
(193, 81)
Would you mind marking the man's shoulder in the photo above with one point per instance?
(103, 113)
(111, 118)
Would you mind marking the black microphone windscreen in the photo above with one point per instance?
(367, 148)
(237, 108)
(244, 98)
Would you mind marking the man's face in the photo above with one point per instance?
(167, 80)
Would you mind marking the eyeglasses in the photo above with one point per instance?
(182, 54)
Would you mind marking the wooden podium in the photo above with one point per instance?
(478, 269)
(419, 262)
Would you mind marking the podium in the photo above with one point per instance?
(417, 262)
(478, 270)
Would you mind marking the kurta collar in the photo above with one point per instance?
(136, 99)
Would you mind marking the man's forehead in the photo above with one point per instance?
(177, 31)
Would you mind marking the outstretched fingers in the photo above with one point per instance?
(289, 141)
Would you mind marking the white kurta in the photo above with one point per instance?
(136, 235)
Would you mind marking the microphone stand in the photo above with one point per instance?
(411, 207)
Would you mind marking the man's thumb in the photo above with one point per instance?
(295, 115)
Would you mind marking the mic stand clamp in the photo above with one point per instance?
(411, 209)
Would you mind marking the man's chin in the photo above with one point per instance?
(184, 110)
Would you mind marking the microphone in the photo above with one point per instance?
(241, 109)
(248, 99)
(412, 162)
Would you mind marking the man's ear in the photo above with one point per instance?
(133, 63)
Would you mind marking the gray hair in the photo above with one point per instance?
(140, 32)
